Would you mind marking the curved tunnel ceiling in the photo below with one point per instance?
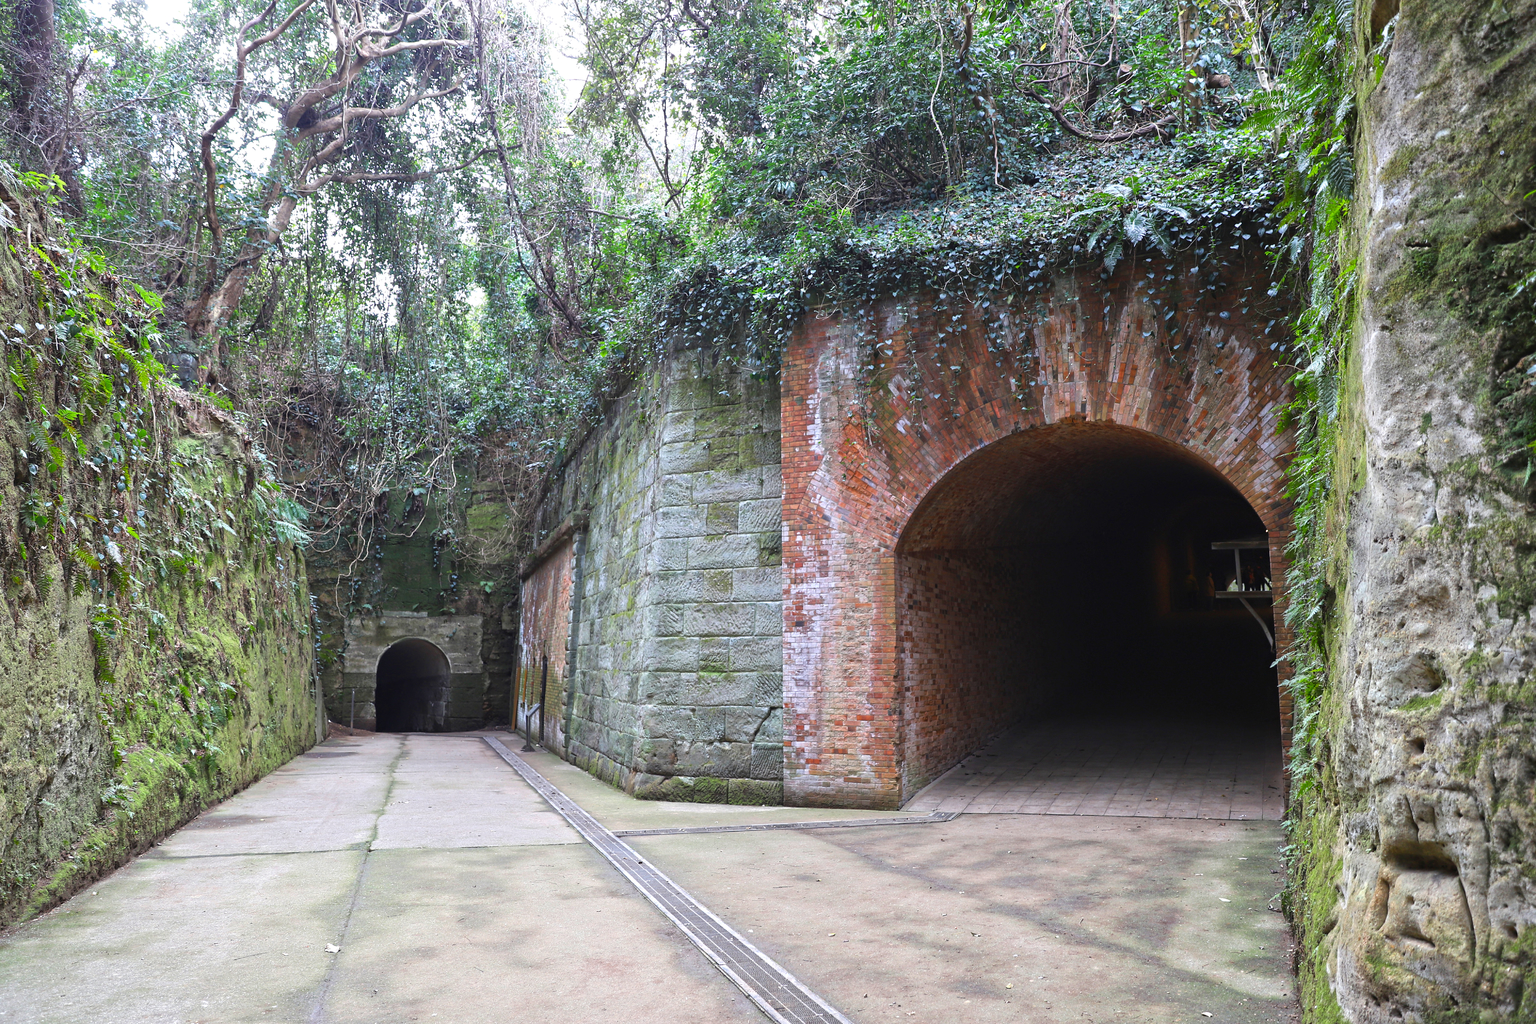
(1032, 483)
(414, 658)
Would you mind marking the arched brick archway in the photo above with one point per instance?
(880, 407)
(1064, 574)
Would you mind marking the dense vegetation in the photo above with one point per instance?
(158, 626)
(395, 239)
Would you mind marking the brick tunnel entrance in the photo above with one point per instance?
(1068, 633)
(411, 687)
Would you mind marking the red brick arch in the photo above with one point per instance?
(880, 407)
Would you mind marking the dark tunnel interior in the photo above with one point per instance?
(411, 687)
(1068, 572)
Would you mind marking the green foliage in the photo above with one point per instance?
(150, 505)
(1311, 116)
(1090, 207)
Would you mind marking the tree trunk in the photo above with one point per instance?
(36, 41)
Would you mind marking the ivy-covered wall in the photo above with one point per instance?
(155, 640)
(1414, 817)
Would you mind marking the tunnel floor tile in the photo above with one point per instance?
(1144, 769)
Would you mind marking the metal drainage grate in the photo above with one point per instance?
(774, 826)
(779, 994)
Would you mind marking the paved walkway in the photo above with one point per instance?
(390, 878)
(1118, 769)
(450, 889)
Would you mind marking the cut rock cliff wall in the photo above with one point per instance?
(155, 647)
(1419, 831)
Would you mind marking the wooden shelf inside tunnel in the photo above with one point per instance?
(1058, 594)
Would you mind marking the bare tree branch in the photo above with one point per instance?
(243, 52)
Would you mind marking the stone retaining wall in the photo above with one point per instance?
(672, 503)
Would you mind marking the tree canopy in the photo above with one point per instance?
(391, 235)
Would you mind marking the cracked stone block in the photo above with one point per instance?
(768, 761)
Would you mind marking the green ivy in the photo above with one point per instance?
(148, 502)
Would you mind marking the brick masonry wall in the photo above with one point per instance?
(544, 635)
(673, 504)
(961, 651)
(879, 405)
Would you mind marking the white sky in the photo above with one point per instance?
(160, 15)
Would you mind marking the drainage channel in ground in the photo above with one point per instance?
(778, 993)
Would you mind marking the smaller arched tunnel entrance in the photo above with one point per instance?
(1068, 614)
(411, 687)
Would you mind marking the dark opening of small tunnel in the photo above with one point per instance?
(411, 687)
(1066, 577)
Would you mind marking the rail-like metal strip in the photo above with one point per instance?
(774, 826)
(779, 994)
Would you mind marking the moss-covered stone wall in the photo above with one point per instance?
(155, 643)
(674, 685)
(1415, 817)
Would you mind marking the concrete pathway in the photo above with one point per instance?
(450, 888)
(1127, 769)
(451, 892)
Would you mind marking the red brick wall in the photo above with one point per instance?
(544, 632)
(879, 405)
(962, 652)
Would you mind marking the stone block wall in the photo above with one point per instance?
(672, 502)
(457, 636)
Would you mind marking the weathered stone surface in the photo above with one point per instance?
(675, 600)
(754, 792)
(1421, 910)
(459, 637)
(682, 788)
(768, 761)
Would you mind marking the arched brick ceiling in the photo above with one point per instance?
(1031, 483)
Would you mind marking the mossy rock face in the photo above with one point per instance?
(1412, 885)
(155, 649)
